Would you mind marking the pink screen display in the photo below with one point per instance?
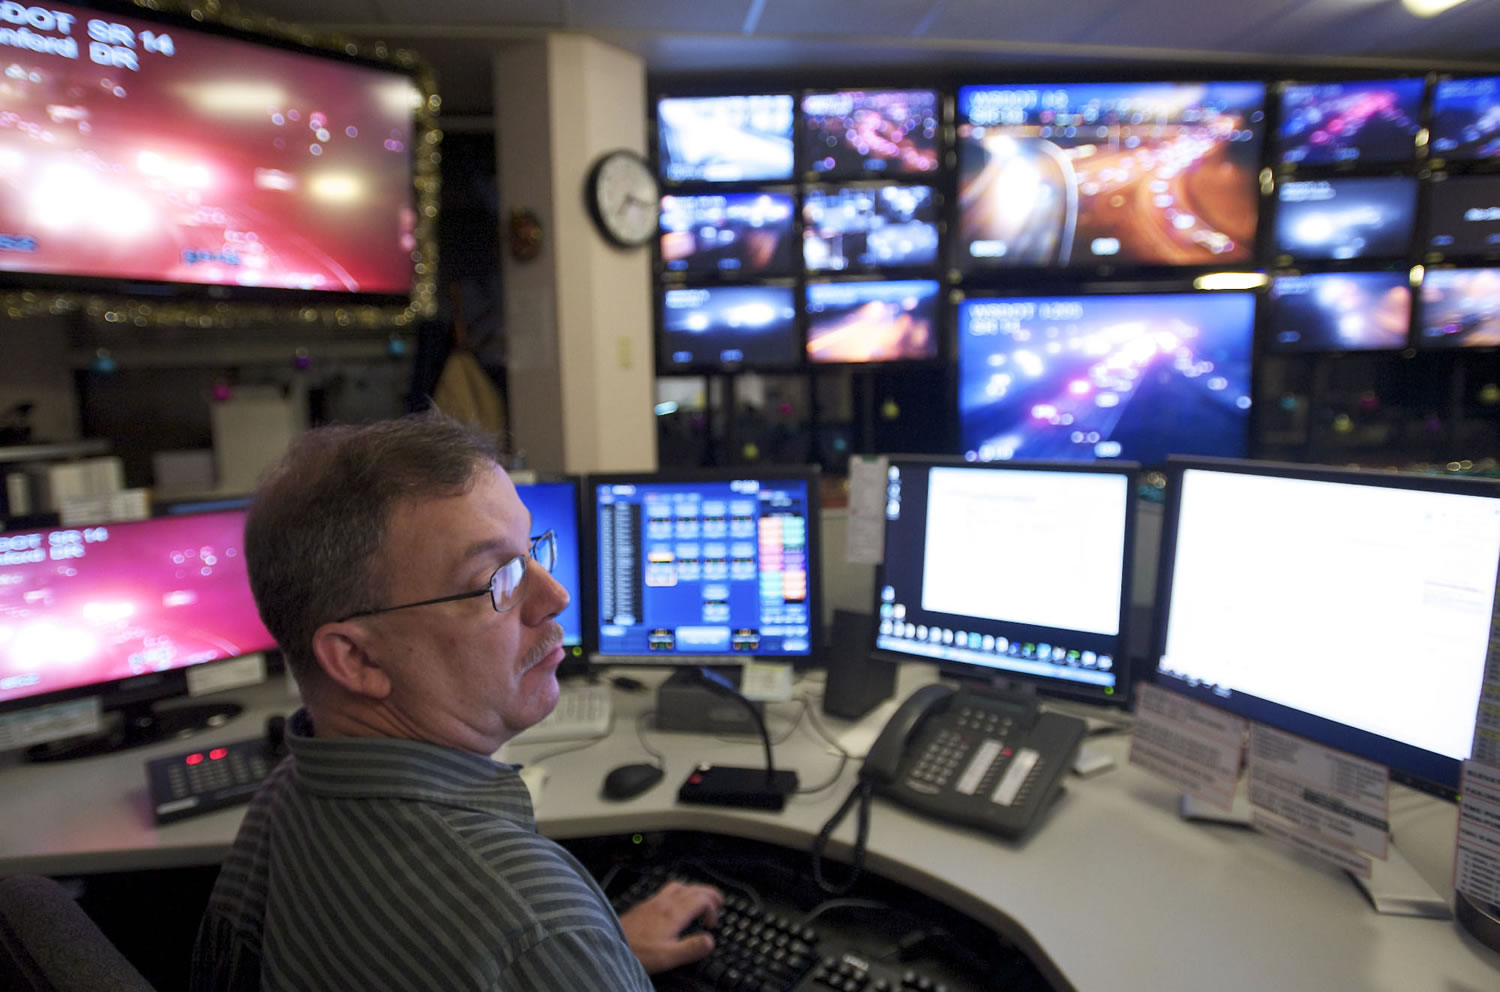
(94, 604)
(131, 149)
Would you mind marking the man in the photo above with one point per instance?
(396, 567)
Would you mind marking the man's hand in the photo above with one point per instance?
(654, 927)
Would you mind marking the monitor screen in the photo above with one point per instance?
(1460, 308)
(1131, 377)
(1337, 123)
(890, 132)
(1015, 571)
(729, 233)
(1108, 174)
(1464, 217)
(1347, 218)
(1340, 311)
(137, 150)
(1350, 608)
(706, 568)
(725, 139)
(83, 608)
(554, 507)
(888, 321)
(869, 227)
(729, 327)
(1466, 118)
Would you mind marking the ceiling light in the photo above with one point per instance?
(1231, 280)
(1429, 8)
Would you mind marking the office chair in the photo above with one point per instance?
(48, 943)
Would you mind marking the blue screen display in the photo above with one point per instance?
(1340, 311)
(1466, 118)
(554, 506)
(725, 138)
(1365, 217)
(1335, 123)
(1093, 377)
(715, 568)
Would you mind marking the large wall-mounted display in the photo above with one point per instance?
(172, 160)
(1095, 266)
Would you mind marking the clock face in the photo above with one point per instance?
(623, 198)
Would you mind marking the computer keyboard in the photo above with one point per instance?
(583, 710)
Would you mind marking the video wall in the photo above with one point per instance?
(1048, 241)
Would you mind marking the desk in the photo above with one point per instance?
(1112, 892)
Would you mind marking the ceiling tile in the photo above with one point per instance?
(674, 16)
(1178, 24)
(869, 18)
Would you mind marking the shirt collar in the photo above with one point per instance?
(390, 768)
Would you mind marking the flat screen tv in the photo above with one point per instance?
(706, 329)
(1466, 118)
(1108, 174)
(862, 322)
(1131, 377)
(155, 157)
(725, 139)
(1460, 308)
(729, 233)
(880, 132)
(1463, 217)
(1368, 121)
(1368, 217)
(857, 228)
(1340, 311)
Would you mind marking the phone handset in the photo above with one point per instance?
(882, 763)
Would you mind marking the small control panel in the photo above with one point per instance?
(212, 778)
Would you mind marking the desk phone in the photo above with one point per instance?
(980, 758)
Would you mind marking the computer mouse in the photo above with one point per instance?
(629, 781)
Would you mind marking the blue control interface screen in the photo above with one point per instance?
(703, 569)
(554, 507)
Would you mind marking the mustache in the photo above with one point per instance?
(550, 642)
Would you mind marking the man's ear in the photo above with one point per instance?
(343, 652)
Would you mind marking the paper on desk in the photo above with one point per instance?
(1476, 865)
(864, 534)
(1194, 746)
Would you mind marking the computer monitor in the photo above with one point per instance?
(1372, 121)
(1353, 217)
(729, 328)
(859, 228)
(1016, 571)
(1129, 377)
(712, 567)
(1459, 308)
(1108, 175)
(122, 611)
(554, 506)
(725, 139)
(875, 321)
(1340, 311)
(732, 234)
(881, 132)
(1466, 118)
(1349, 607)
(1463, 217)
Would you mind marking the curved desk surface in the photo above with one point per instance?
(1112, 891)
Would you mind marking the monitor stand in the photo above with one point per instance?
(136, 725)
(1394, 887)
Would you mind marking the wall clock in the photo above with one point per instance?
(623, 198)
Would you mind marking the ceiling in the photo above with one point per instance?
(459, 37)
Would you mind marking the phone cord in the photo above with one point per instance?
(861, 792)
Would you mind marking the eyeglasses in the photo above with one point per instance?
(504, 588)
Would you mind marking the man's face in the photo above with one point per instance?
(462, 674)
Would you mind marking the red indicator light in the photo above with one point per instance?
(194, 759)
(218, 753)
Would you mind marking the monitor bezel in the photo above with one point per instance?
(1042, 686)
(1321, 730)
(810, 475)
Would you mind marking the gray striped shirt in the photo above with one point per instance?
(374, 864)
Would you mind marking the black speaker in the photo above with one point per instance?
(856, 681)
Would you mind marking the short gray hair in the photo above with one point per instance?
(319, 518)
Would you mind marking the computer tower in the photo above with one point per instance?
(856, 681)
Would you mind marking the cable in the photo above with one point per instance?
(828, 905)
(860, 793)
(833, 779)
(640, 733)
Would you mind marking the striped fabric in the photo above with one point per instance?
(371, 864)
